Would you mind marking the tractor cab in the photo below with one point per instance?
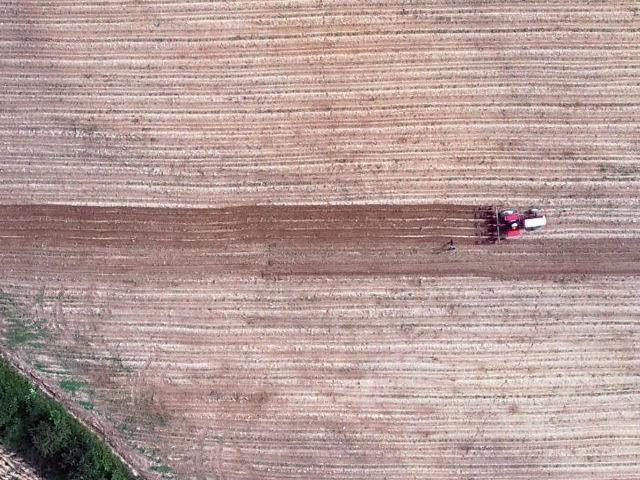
(534, 220)
(512, 223)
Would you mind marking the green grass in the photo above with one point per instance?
(47, 436)
(126, 428)
(40, 297)
(22, 328)
(152, 453)
(86, 404)
(162, 469)
(118, 365)
(72, 385)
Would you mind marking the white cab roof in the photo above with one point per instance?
(536, 222)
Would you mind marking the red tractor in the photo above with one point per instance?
(511, 223)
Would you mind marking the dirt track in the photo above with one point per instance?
(334, 341)
(302, 240)
(12, 468)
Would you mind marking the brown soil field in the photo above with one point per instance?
(229, 219)
(192, 103)
(335, 342)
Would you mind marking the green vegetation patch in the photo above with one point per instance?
(86, 404)
(40, 297)
(162, 468)
(41, 430)
(72, 385)
(22, 328)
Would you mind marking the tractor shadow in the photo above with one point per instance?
(486, 225)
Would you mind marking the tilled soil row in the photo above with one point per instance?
(295, 240)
